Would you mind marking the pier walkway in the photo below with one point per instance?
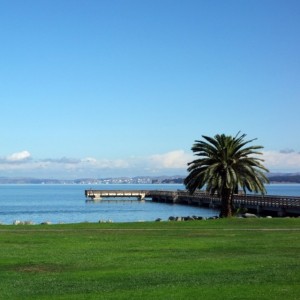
(261, 205)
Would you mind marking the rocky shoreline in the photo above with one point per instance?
(170, 219)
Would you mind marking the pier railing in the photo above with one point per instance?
(282, 204)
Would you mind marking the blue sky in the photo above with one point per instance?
(123, 87)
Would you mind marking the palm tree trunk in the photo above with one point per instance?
(226, 203)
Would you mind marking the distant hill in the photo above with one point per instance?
(173, 180)
(285, 178)
(28, 180)
(274, 178)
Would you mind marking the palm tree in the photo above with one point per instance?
(224, 166)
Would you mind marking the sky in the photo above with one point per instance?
(114, 88)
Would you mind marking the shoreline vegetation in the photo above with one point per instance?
(221, 259)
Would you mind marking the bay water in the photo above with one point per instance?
(66, 204)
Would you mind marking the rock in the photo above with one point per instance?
(248, 215)
(46, 223)
(18, 222)
(28, 223)
(105, 221)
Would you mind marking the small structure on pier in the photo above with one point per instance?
(96, 195)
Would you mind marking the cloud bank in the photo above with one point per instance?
(23, 164)
(171, 163)
(282, 161)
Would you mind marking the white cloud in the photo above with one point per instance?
(19, 156)
(90, 160)
(282, 161)
(177, 159)
(63, 160)
(287, 150)
(104, 163)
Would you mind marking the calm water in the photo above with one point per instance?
(66, 204)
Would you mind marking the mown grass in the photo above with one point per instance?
(215, 259)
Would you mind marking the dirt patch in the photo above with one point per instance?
(39, 268)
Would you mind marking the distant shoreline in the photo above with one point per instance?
(176, 179)
(74, 183)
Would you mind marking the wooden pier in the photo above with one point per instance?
(261, 205)
(99, 194)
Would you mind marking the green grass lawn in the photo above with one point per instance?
(213, 259)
